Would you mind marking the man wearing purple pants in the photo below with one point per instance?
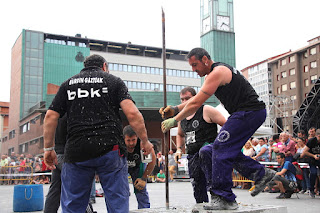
(247, 114)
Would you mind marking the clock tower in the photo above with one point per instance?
(217, 30)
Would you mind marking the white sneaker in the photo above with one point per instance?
(307, 192)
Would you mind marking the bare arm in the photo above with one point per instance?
(307, 153)
(212, 115)
(180, 137)
(136, 121)
(49, 128)
(150, 165)
(282, 172)
(219, 76)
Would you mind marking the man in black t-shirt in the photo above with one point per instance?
(138, 170)
(247, 114)
(313, 151)
(91, 100)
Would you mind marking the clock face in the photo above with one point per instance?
(206, 25)
(223, 23)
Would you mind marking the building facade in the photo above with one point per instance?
(293, 76)
(42, 61)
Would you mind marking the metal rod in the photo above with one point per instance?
(166, 135)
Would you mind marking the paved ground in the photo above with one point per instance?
(181, 196)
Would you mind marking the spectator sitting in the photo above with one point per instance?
(262, 152)
(161, 177)
(285, 179)
(248, 149)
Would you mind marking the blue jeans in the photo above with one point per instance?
(313, 175)
(142, 196)
(226, 153)
(305, 183)
(77, 182)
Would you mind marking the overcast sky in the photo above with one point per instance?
(263, 28)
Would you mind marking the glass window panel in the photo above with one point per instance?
(125, 67)
(134, 68)
(138, 68)
(34, 40)
(129, 84)
(161, 71)
(110, 66)
(161, 87)
(148, 86)
(116, 67)
(157, 71)
(120, 67)
(134, 85)
(174, 88)
(148, 70)
(143, 85)
(178, 73)
(152, 86)
(152, 70)
(129, 68)
(139, 85)
(182, 73)
(143, 69)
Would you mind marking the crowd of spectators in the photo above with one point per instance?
(294, 149)
(15, 166)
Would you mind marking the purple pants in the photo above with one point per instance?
(224, 154)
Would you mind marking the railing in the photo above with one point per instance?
(16, 173)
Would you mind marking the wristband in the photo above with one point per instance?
(48, 149)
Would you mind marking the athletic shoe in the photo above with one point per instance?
(312, 194)
(281, 196)
(288, 194)
(307, 192)
(261, 184)
(219, 203)
(302, 191)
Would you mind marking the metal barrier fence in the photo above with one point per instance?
(12, 174)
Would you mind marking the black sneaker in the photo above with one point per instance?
(288, 194)
(312, 194)
(281, 196)
(261, 185)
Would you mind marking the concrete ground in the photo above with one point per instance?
(180, 195)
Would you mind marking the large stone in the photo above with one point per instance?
(244, 208)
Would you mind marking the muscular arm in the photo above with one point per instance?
(136, 121)
(150, 165)
(212, 115)
(282, 172)
(307, 153)
(219, 76)
(180, 138)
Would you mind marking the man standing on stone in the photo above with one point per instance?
(91, 100)
(247, 114)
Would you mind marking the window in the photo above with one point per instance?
(292, 72)
(25, 128)
(306, 68)
(305, 54)
(292, 85)
(313, 51)
(313, 64)
(12, 134)
(283, 62)
(283, 74)
(5, 139)
(278, 90)
(125, 67)
(313, 78)
(23, 148)
(278, 77)
(293, 112)
(306, 82)
(293, 97)
(120, 67)
(284, 87)
(10, 151)
(291, 59)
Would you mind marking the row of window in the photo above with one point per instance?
(311, 51)
(151, 70)
(293, 71)
(62, 42)
(292, 85)
(155, 86)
